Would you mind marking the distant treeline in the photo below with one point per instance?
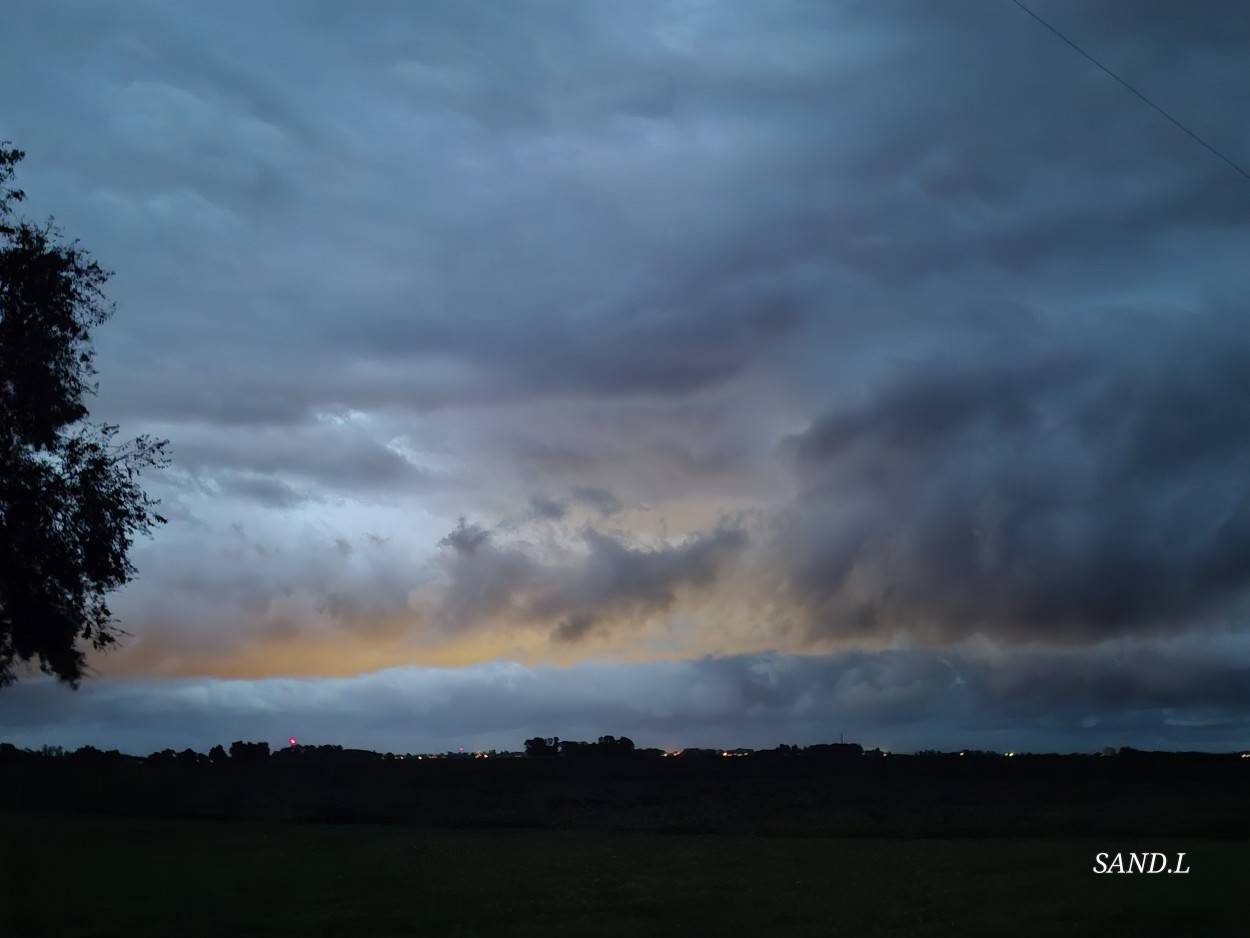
(606, 747)
(610, 746)
(613, 747)
(239, 752)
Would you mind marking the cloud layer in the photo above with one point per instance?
(900, 700)
(655, 332)
(1076, 493)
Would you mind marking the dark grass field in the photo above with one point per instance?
(901, 797)
(720, 847)
(94, 876)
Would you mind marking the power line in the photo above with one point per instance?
(1132, 89)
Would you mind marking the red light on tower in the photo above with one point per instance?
(292, 740)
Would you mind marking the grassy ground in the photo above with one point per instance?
(900, 797)
(86, 876)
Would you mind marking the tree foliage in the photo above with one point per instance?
(606, 747)
(70, 496)
(248, 752)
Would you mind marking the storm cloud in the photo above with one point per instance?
(605, 577)
(714, 334)
(1078, 492)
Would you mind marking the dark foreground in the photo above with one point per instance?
(894, 797)
(124, 877)
(713, 847)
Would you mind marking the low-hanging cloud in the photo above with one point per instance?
(1076, 700)
(1061, 495)
(605, 580)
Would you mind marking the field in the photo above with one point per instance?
(721, 847)
(127, 877)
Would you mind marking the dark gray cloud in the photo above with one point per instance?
(259, 488)
(203, 593)
(552, 509)
(603, 501)
(321, 457)
(467, 539)
(603, 581)
(489, 255)
(1048, 495)
(599, 500)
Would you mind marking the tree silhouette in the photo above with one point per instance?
(538, 746)
(248, 752)
(70, 500)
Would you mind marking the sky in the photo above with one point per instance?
(715, 374)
